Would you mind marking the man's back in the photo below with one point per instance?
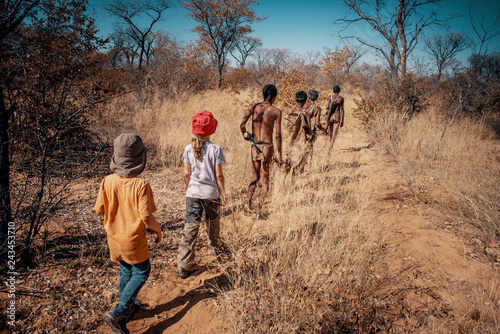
(336, 103)
(263, 118)
(294, 125)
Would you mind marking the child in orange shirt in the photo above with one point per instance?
(127, 204)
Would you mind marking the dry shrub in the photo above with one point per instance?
(238, 79)
(406, 96)
(178, 69)
(295, 80)
(477, 307)
(460, 157)
(310, 266)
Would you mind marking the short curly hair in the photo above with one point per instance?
(313, 94)
(301, 96)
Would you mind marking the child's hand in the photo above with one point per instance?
(158, 237)
(223, 200)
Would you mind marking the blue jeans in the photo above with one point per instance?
(132, 278)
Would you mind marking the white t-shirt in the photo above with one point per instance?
(203, 183)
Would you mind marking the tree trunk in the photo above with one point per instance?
(141, 55)
(392, 62)
(5, 208)
(220, 65)
(440, 73)
(400, 19)
(219, 84)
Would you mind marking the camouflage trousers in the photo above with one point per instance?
(195, 208)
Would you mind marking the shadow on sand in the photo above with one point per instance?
(188, 301)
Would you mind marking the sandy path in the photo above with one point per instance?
(432, 271)
(431, 268)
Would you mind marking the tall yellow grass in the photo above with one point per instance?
(458, 160)
(308, 267)
(167, 128)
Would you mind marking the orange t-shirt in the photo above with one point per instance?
(124, 201)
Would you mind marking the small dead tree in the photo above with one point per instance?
(244, 47)
(134, 14)
(444, 48)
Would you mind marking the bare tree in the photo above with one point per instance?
(269, 65)
(311, 61)
(280, 61)
(341, 61)
(444, 48)
(220, 24)
(125, 48)
(260, 67)
(261, 57)
(312, 58)
(399, 26)
(134, 14)
(245, 46)
(483, 32)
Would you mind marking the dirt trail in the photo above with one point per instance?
(431, 267)
(428, 265)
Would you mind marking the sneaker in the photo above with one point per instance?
(136, 306)
(184, 273)
(116, 322)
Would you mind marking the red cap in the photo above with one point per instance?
(204, 123)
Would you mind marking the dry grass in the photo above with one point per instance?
(310, 266)
(167, 128)
(454, 168)
(459, 161)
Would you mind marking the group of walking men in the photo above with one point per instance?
(300, 125)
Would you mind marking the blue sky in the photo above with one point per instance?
(303, 26)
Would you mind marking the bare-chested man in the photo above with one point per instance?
(296, 128)
(265, 117)
(335, 114)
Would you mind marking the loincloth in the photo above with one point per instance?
(335, 118)
(260, 156)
